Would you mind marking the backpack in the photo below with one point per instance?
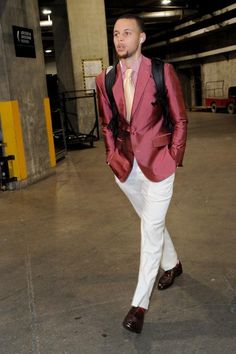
(161, 97)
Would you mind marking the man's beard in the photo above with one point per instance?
(127, 54)
(124, 56)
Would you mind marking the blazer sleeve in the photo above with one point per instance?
(105, 115)
(177, 114)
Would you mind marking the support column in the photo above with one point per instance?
(24, 112)
(87, 26)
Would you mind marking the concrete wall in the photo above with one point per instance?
(23, 79)
(222, 70)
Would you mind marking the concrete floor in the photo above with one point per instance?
(69, 252)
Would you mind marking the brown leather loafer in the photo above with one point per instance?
(167, 279)
(134, 319)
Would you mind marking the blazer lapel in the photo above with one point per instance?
(144, 75)
(118, 93)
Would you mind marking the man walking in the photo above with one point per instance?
(144, 155)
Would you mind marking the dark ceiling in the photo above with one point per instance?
(176, 11)
(159, 19)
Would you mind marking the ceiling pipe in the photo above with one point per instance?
(209, 53)
(156, 14)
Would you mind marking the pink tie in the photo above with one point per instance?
(128, 92)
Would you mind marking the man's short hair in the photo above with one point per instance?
(137, 18)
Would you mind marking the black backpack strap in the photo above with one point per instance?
(109, 82)
(110, 78)
(161, 97)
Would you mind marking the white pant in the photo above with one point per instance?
(151, 201)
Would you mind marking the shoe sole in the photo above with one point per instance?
(130, 329)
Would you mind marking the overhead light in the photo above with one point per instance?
(48, 51)
(166, 2)
(47, 23)
(46, 11)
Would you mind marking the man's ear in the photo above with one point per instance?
(142, 37)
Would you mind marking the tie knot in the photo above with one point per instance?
(128, 73)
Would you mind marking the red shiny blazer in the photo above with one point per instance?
(157, 151)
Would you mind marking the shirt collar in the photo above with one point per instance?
(135, 65)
